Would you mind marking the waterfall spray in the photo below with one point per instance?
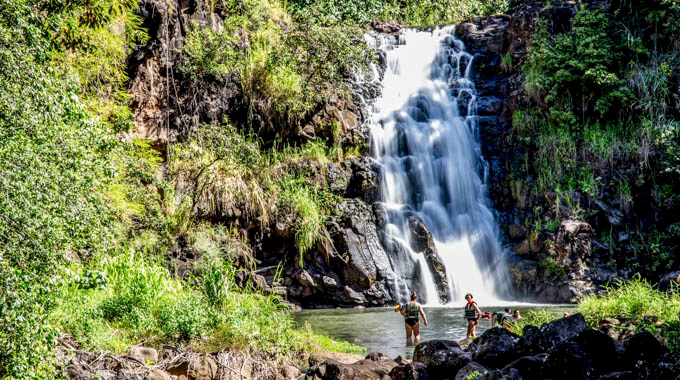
(424, 133)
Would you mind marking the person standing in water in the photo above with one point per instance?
(472, 315)
(410, 312)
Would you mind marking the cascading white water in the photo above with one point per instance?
(425, 136)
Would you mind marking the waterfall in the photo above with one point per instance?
(424, 135)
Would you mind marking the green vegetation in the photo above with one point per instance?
(416, 13)
(647, 308)
(87, 221)
(603, 99)
(285, 69)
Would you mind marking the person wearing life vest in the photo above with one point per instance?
(503, 318)
(410, 311)
(472, 315)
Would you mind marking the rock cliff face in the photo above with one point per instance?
(560, 263)
(351, 266)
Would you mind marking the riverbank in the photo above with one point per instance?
(564, 348)
(381, 329)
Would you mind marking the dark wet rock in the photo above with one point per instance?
(528, 367)
(423, 243)
(442, 357)
(669, 280)
(496, 347)
(375, 366)
(476, 371)
(528, 343)
(559, 330)
(588, 355)
(621, 375)
(364, 181)
(410, 371)
(644, 353)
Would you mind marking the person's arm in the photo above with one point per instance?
(479, 313)
(493, 320)
(402, 310)
(420, 310)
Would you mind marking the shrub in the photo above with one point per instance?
(183, 318)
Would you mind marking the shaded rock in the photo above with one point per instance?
(496, 347)
(354, 296)
(649, 358)
(290, 372)
(157, 374)
(442, 357)
(375, 366)
(516, 232)
(329, 283)
(588, 355)
(202, 368)
(667, 279)
(559, 330)
(528, 343)
(528, 367)
(477, 371)
(622, 375)
(409, 371)
(388, 26)
(304, 279)
(77, 371)
(423, 242)
(144, 354)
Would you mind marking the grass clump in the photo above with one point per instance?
(139, 300)
(633, 299)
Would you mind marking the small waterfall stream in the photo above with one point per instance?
(424, 134)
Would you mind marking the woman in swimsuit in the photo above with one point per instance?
(472, 315)
(410, 312)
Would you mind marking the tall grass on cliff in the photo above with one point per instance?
(229, 174)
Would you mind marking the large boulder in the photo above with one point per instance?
(442, 357)
(650, 359)
(587, 355)
(528, 367)
(361, 260)
(375, 367)
(476, 371)
(496, 347)
(559, 330)
(423, 243)
(410, 371)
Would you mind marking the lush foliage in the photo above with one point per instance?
(285, 69)
(427, 12)
(227, 169)
(54, 153)
(636, 300)
(603, 99)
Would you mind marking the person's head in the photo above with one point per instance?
(468, 296)
(413, 296)
(516, 314)
(508, 310)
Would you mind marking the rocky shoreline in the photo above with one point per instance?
(562, 349)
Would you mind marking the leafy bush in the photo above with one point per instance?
(183, 319)
(413, 12)
(575, 73)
